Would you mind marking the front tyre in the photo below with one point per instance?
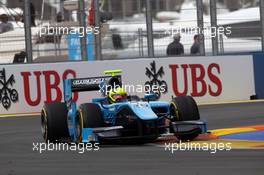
(89, 116)
(184, 108)
(54, 125)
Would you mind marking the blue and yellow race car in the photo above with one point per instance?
(118, 117)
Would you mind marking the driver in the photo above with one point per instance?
(117, 94)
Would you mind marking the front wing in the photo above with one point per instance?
(114, 133)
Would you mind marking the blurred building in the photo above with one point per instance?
(49, 8)
(126, 8)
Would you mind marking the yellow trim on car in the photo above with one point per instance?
(113, 72)
(177, 111)
(46, 129)
(80, 120)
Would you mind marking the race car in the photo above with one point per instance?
(118, 117)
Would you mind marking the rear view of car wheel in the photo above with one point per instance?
(54, 122)
(89, 116)
(184, 108)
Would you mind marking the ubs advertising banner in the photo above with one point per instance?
(25, 88)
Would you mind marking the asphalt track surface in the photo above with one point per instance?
(17, 157)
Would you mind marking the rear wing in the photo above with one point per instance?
(87, 84)
(91, 84)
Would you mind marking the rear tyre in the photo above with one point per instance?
(54, 125)
(184, 108)
(89, 116)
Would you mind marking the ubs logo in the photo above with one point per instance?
(155, 75)
(8, 95)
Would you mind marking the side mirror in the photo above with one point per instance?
(151, 97)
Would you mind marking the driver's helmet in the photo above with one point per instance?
(117, 94)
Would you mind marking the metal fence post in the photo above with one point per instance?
(213, 16)
(261, 9)
(167, 5)
(149, 29)
(157, 6)
(110, 8)
(124, 9)
(139, 6)
(27, 28)
(98, 46)
(200, 24)
(82, 22)
(62, 9)
(140, 43)
(221, 45)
